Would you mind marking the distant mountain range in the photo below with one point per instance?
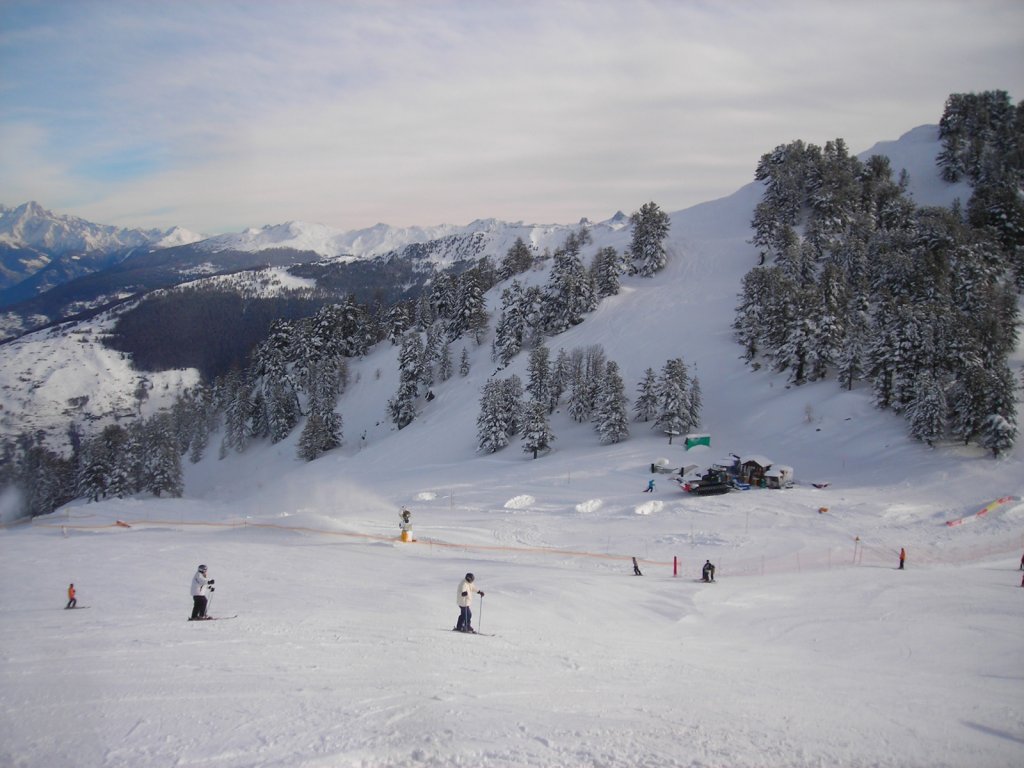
(55, 267)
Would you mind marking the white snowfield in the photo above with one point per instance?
(810, 650)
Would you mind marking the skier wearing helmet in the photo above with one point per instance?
(200, 584)
(464, 599)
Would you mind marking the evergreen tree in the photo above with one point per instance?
(464, 363)
(569, 293)
(444, 363)
(606, 271)
(647, 246)
(561, 378)
(927, 411)
(512, 394)
(998, 434)
(695, 404)
(646, 406)
(610, 418)
(322, 431)
(470, 312)
(163, 475)
(538, 381)
(537, 434)
(402, 407)
(492, 422)
(518, 260)
(511, 327)
(673, 391)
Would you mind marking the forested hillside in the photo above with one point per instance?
(857, 283)
(860, 283)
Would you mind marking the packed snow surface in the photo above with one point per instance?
(810, 649)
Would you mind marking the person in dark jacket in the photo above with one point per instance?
(636, 568)
(708, 571)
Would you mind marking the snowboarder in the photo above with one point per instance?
(72, 601)
(200, 584)
(903, 557)
(464, 598)
(636, 568)
(708, 571)
(650, 486)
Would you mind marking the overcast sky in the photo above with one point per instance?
(218, 116)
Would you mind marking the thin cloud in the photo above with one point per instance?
(219, 116)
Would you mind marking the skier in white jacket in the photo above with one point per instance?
(464, 599)
(200, 585)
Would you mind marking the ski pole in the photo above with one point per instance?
(480, 619)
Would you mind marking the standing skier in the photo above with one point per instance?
(903, 557)
(636, 568)
(464, 598)
(72, 601)
(708, 571)
(200, 584)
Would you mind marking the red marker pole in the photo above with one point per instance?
(675, 566)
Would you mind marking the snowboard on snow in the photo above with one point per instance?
(76, 607)
(214, 618)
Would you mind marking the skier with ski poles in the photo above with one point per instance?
(200, 586)
(464, 599)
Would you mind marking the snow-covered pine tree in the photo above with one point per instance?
(695, 404)
(998, 434)
(517, 260)
(322, 431)
(538, 374)
(470, 312)
(537, 434)
(607, 269)
(283, 409)
(444, 363)
(442, 299)
(511, 326)
(397, 322)
(561, 378)
(512, 394)
(646, 406)
(464, 363)
(610, 417)
(673, 398)
(647, 246)
(565, 298)
(927, 411)
(236, 401)
(492, 421)
(163, 474)
(402, 407)
(797, 353)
